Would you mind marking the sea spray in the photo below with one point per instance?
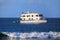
(33, 34)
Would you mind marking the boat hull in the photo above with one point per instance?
(33, 22)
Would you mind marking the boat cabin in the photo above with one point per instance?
(31, 16)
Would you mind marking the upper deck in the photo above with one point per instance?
(31, 16)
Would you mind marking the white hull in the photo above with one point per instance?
(33, 22)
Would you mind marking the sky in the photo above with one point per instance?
(14, 8)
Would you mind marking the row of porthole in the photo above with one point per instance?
(29, 15)
(29, 19)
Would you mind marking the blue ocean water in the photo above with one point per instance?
(7, 25)
(10, 25)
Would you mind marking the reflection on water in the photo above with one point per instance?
(17, 38)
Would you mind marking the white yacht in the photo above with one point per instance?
(32, 18)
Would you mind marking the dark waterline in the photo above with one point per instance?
(7, 25)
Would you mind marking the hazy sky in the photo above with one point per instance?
(13, 8)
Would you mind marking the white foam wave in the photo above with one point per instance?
(34, 34)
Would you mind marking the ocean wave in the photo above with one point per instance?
(33, 34)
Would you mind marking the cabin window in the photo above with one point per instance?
(37, 18)
(28, 15)
(36, 15)
(30, 18)
(23, 16)
(32, 15)
(40, 15)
